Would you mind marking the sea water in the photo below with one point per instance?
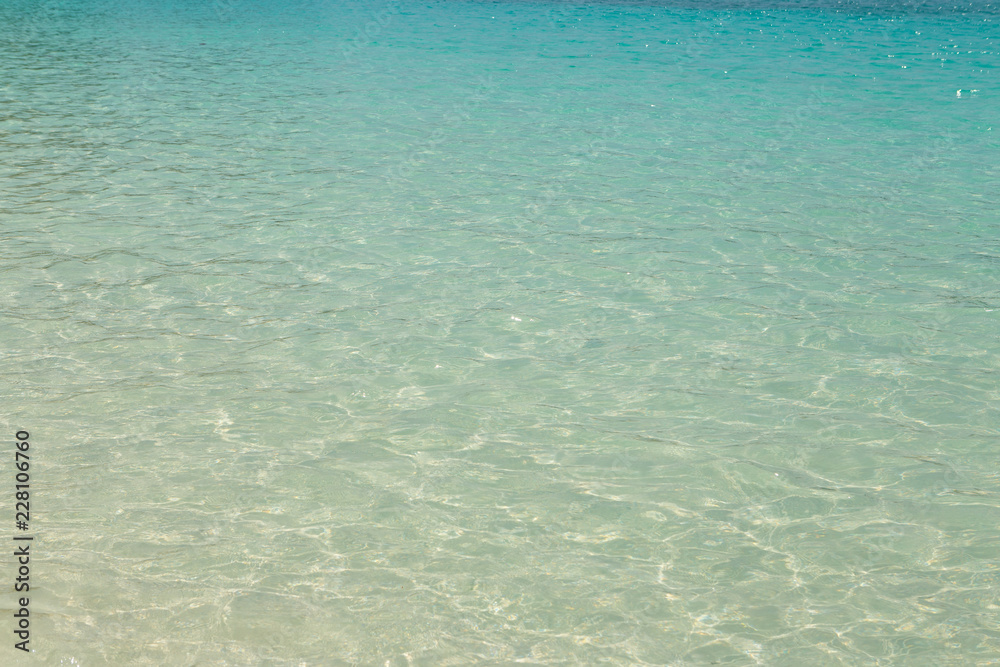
(454, 332)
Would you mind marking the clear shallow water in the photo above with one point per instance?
(468, 333)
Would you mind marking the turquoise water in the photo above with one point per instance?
(451, 333)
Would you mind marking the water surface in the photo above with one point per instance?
(482, 333)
